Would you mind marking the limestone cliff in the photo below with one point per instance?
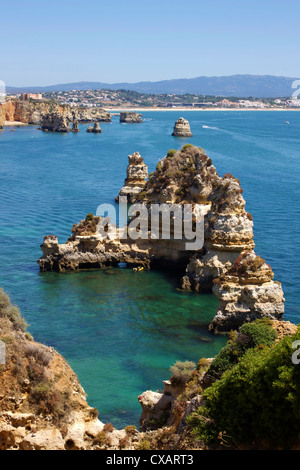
(182, 177)
(137, 173)
(2, 117)
(33, 112)
(42, 404)
(246, 291)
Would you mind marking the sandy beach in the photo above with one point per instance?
(14, 123)
(140, 110)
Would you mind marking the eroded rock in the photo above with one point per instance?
(182, 128)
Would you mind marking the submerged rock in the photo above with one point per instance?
(182, 128)
(137, 173)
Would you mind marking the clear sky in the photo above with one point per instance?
(61, 41)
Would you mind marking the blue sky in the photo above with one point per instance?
(64, 41)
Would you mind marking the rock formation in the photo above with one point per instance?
(75, 127)
(42, 404)
(33, 112)
(2, 117)
(86, 115)
(246, 291)
(55, 122)
(183, 177)
(95, 130)
(182, 128)
(130, 117)
(137, 173)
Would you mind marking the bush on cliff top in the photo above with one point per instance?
(7, 310)
(182, 372)
(256, 402)
(250, 335)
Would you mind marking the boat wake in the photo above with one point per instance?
(211, 127)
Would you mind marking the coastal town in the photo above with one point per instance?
(110, 99)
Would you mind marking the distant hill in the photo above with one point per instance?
(259, 86)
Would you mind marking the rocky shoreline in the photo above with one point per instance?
(49, 115)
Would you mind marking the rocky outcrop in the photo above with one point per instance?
(95, 130)
(228, 232)
(42, 404)
(137, 173)
(75, 127)
(246, 291)
(55, 122)
(182, 177)
(2, 117)
(86, 115)
(33, 112)
(128, 117)
(182, 128)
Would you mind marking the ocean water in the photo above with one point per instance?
(120, 330)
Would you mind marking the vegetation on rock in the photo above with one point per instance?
(256, 401)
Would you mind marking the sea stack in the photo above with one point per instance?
(130, 117)
(182, 128)
(55, 122)
(75, 128)
(246, 291)
(137, 173)
(95, 130)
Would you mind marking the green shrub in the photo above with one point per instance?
(170, 153)
(7, 310)
(257, 333)
(187, 146)
(256, 402)
(89, 217)
(250, 335)
(144, 445)
(159, 167)
(182, 372)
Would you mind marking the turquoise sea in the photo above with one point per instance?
(120, 330)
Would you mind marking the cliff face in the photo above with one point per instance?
(42, 404)
(185, 177)
(246, 291)
(137, 173)
(2, 117)
(34, 112)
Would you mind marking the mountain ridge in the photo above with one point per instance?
(259, 86)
